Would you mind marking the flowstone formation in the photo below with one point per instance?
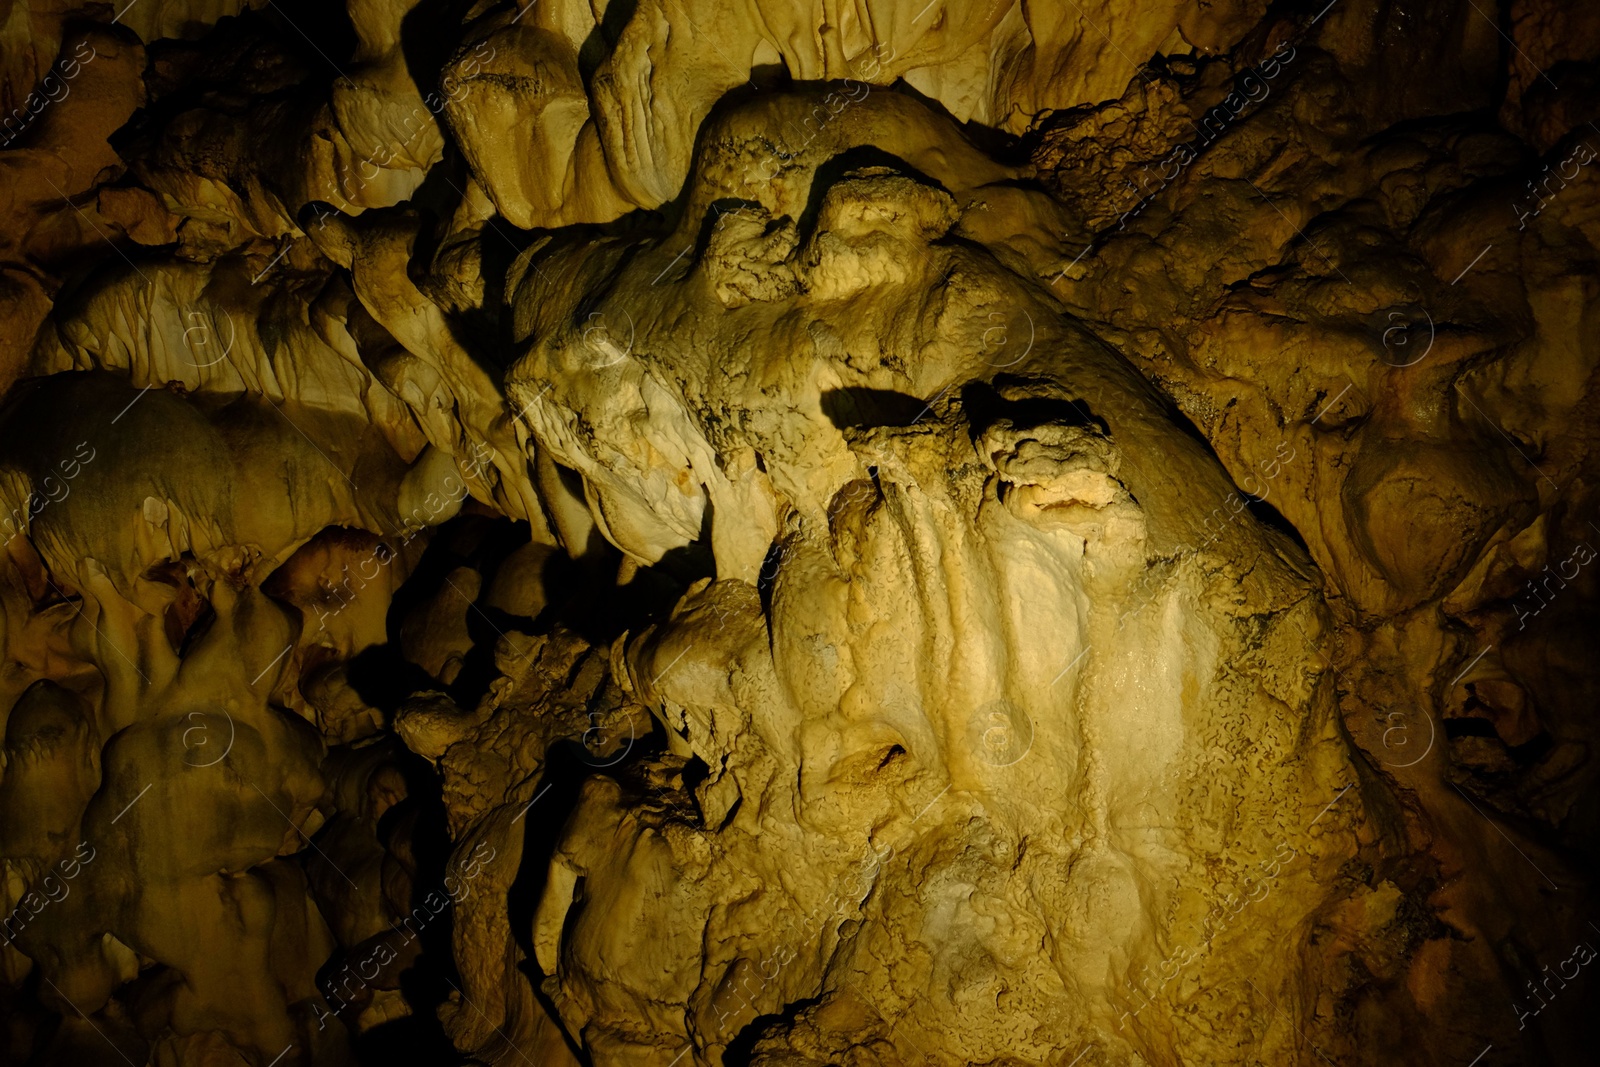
(799, 534)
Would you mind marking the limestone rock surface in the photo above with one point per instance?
(790, 534)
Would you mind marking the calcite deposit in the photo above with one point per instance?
(791, 534)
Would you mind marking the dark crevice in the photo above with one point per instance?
(741, 1050)
(856, 408)
(984, 406)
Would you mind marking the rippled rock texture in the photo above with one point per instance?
(828, 532)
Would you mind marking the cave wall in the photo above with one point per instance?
(799, 533)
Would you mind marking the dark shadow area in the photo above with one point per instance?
(984, 406)
(578, 593)
(271, 50)
(768, 576)
(603, 38)
(320, 33)
(419, 822)
(584, 597)
(694, 772)
(1271, 517)
(383, 678)
(428, 35)
(857, 408)
(727, 205)
(741, 1050)
(567, 766)
(1469, 727)
(861, 157)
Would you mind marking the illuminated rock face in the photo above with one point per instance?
(630, 535)
(974, 766)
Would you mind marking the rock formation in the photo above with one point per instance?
(793, 534)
